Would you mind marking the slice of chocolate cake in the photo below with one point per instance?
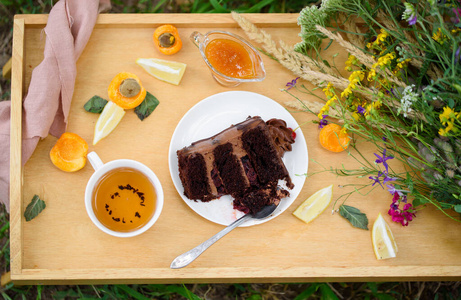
(244, 161)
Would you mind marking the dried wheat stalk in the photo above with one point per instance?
(350, 26)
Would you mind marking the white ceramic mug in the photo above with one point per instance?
(103, 168)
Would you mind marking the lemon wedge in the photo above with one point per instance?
(165, 70)
(107, 121)
(315, 204)
(383, 240)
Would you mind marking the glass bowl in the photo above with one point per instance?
(202, 41)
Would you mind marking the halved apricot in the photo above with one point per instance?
(126, 90)
(69, 152)
(331, 138)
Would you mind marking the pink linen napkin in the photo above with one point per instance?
(46, 106)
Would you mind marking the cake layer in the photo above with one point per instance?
(243, 161)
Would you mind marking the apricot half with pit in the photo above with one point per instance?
(69, 152)
(126, 90)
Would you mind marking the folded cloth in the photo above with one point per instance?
(46, 106)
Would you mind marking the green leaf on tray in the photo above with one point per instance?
(354, 216)
(95, 104)
(34, 208)
(458, 208)
(147, 106)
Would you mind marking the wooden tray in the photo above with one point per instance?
(62, 245)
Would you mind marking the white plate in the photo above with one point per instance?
(218, 112)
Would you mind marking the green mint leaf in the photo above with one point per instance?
(95, 104)
(419, 201)
(147, 106)
(458, 208)
(354, 216)
(35, 207)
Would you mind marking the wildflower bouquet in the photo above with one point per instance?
(402, 92)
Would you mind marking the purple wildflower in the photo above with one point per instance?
(292, 83)
(412, 20)
(457, 54)
(391, 188)
(387, 179)
(361, 110)
(323, 122)
(376, 179)
(410, 14)
(383, 159)
(392, 92)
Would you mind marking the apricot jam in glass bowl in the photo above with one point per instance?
(231, 59)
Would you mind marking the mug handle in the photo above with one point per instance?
(95, 161)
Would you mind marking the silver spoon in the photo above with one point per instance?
(188, 257)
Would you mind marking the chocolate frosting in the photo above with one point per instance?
(281, 134)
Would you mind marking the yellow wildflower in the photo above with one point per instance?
(351, 61)
(332, 99)
(385, 60)
(401, 65)
(445, 131)
(371, 74)
(324, 110)
(355, 78)
(450, 126)
(439, 37)
(447, 115)
(329, 90)
(442, 132)
(383, 83)
(377, 104)
(346, 92)
(382, 36)
(357, 75)
(321, 113)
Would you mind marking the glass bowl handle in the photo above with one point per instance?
(197, 38)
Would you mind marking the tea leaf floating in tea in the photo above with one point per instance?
(124, 199)
(34, 208)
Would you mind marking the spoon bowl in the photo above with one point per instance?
(189, 256)
(265, 211)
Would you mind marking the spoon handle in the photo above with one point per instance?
(189, 256)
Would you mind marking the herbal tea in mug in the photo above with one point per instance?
(124, 199)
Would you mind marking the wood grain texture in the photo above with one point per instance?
(17, 85)
(62, 245)
(179, 20)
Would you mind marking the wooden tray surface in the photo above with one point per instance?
(62, 245)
